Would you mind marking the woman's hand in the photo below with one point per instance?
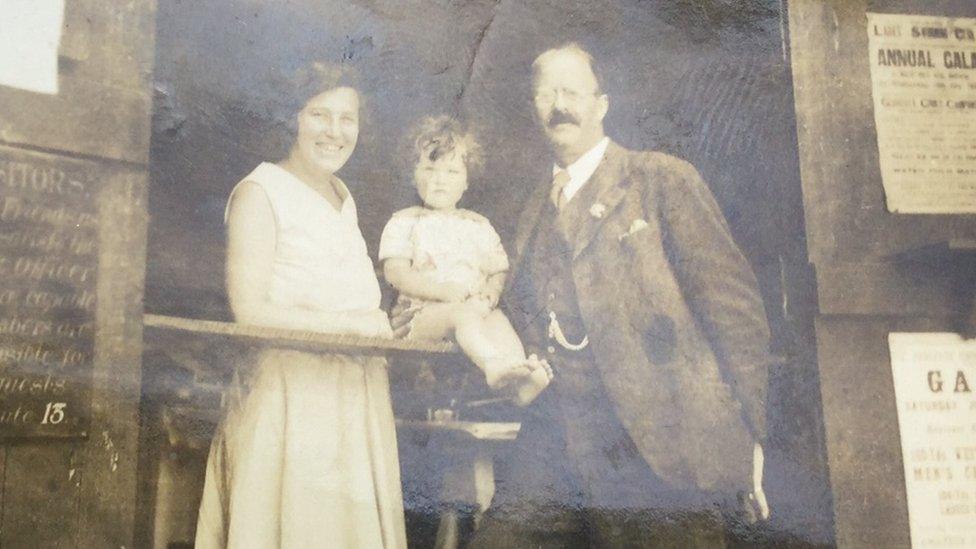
(401, 316)
(376, 324)
(365, 324)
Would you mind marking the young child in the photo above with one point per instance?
(449, 265)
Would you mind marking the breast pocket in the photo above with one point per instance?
(641, 249)
(637, 229)
(640, 244)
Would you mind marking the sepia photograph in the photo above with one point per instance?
(487, 274)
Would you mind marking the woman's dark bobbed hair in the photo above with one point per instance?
(293, 92)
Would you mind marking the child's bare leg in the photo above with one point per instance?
(489, 341)
(539, 373)
(493, 345)
(435, 322)
(534, 384)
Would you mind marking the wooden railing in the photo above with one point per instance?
(161, 328)
(182, 339)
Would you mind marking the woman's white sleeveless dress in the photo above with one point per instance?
(306, 455)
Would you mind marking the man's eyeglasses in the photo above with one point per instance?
(548, 97)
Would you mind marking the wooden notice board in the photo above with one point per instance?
(49, 227)
(73, 184)
(877, 272)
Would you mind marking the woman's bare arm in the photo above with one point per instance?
(250, 257)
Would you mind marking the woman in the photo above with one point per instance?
(306, 455)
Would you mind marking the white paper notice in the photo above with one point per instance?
(30, 34)
(935, 380)
(923, 81)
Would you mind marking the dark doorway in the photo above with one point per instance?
(706, 80)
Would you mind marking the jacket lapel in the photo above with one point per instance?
(530, 217)
(597, 199)
(528, 221)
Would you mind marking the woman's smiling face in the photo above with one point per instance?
(328, 127)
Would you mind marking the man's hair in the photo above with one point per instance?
(434, 137)
(577, 49)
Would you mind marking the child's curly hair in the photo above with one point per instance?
(438, 136)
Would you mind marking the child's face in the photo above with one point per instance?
(441, 182)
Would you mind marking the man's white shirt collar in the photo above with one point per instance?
(582, 170)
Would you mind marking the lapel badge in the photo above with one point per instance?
(598, 210)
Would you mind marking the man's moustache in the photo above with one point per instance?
(559, 118)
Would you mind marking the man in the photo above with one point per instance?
(627, 281)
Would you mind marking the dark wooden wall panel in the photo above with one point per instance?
(102, 108)
(876, 272)
(862, 433)
(110, 458)
(41, 503)
(846, 216)
(886, 289)
(83, 492)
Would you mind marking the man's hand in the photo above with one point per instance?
(379, 325)
(755, 508)
(758, 496)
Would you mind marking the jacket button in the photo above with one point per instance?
(550, 349)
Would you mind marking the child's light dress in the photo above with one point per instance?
(458, 246)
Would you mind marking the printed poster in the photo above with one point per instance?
(923, 81)
(935, 378)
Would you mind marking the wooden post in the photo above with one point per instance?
(76, 487)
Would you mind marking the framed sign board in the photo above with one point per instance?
(48, 266)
